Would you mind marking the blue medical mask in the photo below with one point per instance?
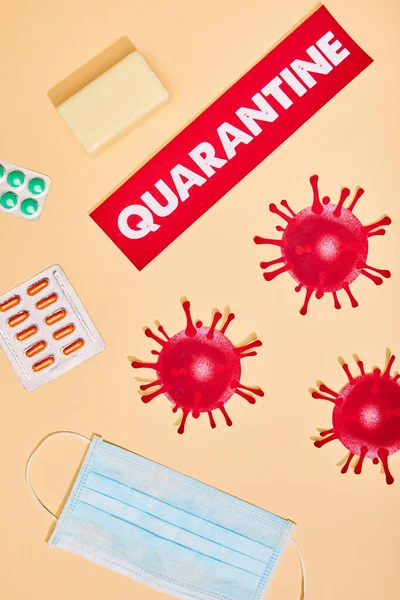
(165, 529)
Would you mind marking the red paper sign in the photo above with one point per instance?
(230, 138)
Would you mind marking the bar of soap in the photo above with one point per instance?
(113, 101)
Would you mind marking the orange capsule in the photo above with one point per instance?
(26, 333)
(33, 350)
(38, 287)
(46, 302)
(43, 364)
(55, 317)
(73, 347)
(14, 301)
(17, 319)
(62, 333)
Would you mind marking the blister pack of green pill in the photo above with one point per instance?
(22, 192)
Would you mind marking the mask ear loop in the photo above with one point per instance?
(303, 570)
(28, 466)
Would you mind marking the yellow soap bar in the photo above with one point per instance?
(113, 101)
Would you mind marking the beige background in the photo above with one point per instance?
(348, 526)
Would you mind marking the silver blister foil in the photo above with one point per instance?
(45, 329)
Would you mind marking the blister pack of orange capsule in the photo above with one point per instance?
(45, 329)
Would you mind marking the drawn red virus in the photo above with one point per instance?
(199, 369)
(324, 247)
(366, 416)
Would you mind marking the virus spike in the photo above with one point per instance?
(197, 398)
(336, 301)
(182, 425)
(248, 354)
(357, 196)
(396, 376)
(353, 301)
(229, 316)
(162, 330)
(217, 317)
(257, 391)
(359, 465)
(212, 422)
(242, 349)
(286, 205)
(227, 418)
(372, 230)
(149, 397)
(250, 399)
(320, 443)
(155, 352)
(260, 240)
(150, 385)
(148, 332)
(317, 206)
(360, 363)
(391, 359)
(326, 432)
(346, 465)
(139, 364)
(324, 388)
(377, 232)
(190, 328)
(381, 222)
(265, 265)
(318, 396)
(344, 194)
(383, 454)
(375, 385)
(377, 280)
(270, 275)
(374, 278)
(254, 389)
(274, 209)
(304, 308)
(280, 228)
(346, 369)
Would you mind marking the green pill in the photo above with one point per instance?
(1, 171)
(8, 200)
(36, 186)
(15, 179)
(29, 207)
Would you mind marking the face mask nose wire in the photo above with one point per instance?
(28, 465)
(303, 570)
